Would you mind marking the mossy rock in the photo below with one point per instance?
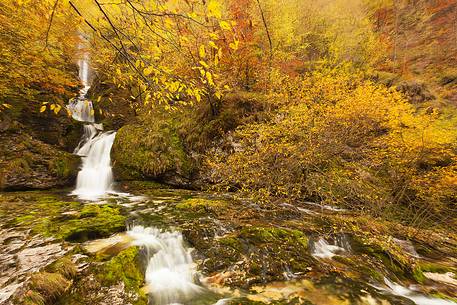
(152, 150)
(262, 253)
(125, 267)
(63, 266)
(43, 288)
(201, 205)
(421, 267)
(120, 277)
(94, 221)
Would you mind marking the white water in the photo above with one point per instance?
(323, 249)
(170, 273)
(81, 108)
(407, 246)
(414, 296)
(95, 178)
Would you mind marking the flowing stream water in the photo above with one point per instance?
(170, 272)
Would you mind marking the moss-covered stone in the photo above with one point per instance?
(126, 268)
(201, 205)
(419, 268)
(152, 150)
(94, 221)
(49, 215)
(261, 254)
(272, 234)
(63, 266)
(43, 288)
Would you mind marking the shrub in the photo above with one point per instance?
(346, 141)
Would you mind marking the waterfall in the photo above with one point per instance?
(95, 177)
(170, 273)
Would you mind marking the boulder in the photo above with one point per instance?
(151, 151)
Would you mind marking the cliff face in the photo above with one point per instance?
(35, 148)
(422, 35)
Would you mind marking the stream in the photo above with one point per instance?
(200, 248)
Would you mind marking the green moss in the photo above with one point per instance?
(95, 221)
(32, 298)
(150, 150)
(420, 268)
(272, 234)
(201, 204)
(65, 165)
(232, 242)
(45, 215)
(126, 268)
(63, 266)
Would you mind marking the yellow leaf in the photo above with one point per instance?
(53, 106)
(43, 108)
(148, 71)
(224, 25)
(192, 15)
(204, 64)
(57, 109)
(213, 45)
(214, 9)
(209, 77)
(198, 96)
(234, 45)
(202, 51)
(7, 105)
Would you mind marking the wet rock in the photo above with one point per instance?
(20, 256)
(33, 259)
(252, 254)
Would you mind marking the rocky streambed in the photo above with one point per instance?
(121, 249)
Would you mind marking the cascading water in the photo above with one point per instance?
(95, 177)
(323, 249)
(170, 273)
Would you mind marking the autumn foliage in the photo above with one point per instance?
(347, 142)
